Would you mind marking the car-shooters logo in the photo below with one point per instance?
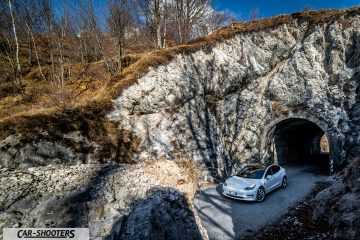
(46, 233)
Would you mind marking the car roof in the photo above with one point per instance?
(265, 167)
(259, 166)
(274, 164)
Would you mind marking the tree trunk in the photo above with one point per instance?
(165, 15)
(61, 61)
(17, 62)
(179, 16)
(120, 52)
(179, 31)
(158, 35)
(33, 46)
(30, 46)
(50, 47)
(107, 60)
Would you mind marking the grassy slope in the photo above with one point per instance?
(87, 110)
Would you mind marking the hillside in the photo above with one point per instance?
(89, 95)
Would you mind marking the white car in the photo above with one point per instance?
(253, 182)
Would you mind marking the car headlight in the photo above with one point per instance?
(251, 187)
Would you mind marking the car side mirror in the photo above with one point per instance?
(268, 177)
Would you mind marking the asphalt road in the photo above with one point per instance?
(226, 218)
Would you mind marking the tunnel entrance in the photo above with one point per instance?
(300, 141)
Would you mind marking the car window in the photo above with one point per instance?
(268, 172)
(251, 172)
(275, 169)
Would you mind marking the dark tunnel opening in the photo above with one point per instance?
(302, 142)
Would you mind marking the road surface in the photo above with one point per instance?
(226, 218)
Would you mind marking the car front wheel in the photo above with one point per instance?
(284, 182)
(260, 196)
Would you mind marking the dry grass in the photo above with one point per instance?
(276, 109)
(320, 16)
(181, 174)
(130, 74)
(346, 23)
(191, 168)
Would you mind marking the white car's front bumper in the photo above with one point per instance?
(239, 194)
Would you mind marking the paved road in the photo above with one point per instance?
(226, 218)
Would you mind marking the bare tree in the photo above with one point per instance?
(254, 13)
(7, 70)
(92, 35)
(155, 13)
(55, 45)
(173, 19)
(188, 13)
(307, 7)
(120, 18)
(17, 68)
(211, 22)
(32, 11)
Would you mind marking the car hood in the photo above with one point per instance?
(240, 182)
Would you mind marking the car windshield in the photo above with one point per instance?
(251, 172)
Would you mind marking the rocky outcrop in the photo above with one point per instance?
(130, 201)
(216, 105)
(165, 214)
(339, 204)
(14, 153)
(69, 137)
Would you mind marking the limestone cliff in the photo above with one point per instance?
(216, 105)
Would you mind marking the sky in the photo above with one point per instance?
(240, 9)
(267, 8)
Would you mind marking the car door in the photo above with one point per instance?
(275, 169)
(269, 180)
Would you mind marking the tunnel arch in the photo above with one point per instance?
(297, 139)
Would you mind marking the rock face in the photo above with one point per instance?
(218, 105)
(143, 201)
(339, 203)
(41, 152)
